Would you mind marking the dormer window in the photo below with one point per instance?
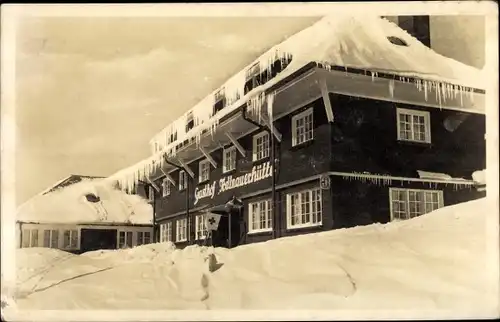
(397, 41)
(189, 121)
(172, 137)
(219, 100)
(278, 66)
(252, 77)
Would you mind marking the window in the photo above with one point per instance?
(165, 187)
(26, 238)
(30, 238)
(182, 180)
(219, 100)
(189, 121)
(253, 71)
(201, 229)
(413, 125)
(397, 41)
(410, 203)
(260, 216)
(302, 127)
(252, 78)
(51, 238)
(204, 171)
(125, 239)
(229, 159)
(143, 237)
(70, 239)
(304, 209)
(166, 232)
(181, 229)
(260, 146)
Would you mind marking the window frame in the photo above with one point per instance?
(203, 163)
(141, 238)
(166, 188)
(232, 152)
(407, 191)
(268, 216)
(411, 112)
(255, 152)
(166, 232)
(318, 212)
(126, 234)
(72, 234)
(182, 180)
(29, 236)
(201, 230)
(177, 230)
(52, 232)
(302, 116)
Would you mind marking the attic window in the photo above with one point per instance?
(219, 100)
(397, 41)
(189, 121)
(92, 198)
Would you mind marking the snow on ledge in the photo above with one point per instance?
(435, 175)
(479, 177)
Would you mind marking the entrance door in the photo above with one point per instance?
(220, 237)
(95, 239)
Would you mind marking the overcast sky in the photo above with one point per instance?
(91, 92)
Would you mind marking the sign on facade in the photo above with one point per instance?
(258, 173)
(324, 182)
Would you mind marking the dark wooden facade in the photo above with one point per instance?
(362, 139)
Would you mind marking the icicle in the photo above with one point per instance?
(391, 88)
(443, 92)
(426, 90)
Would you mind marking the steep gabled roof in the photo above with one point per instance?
(69, 180)
(90, 200)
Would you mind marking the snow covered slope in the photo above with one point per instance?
(69, 205)
(435, 265)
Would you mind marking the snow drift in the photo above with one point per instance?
(435, 263)
(70, 205)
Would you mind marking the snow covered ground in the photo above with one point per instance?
(438, 265)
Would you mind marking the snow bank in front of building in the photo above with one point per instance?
(434, 263)
(70, 205)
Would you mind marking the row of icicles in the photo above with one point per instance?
(386, 180)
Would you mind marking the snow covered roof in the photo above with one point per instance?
(360, 42)
(71, 179)
(73, 204)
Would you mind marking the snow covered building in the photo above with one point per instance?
(351, 121)
(81, 213)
